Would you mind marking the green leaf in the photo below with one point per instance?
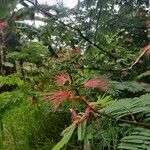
(124, 107)
(81, 130)
(8, 64)
(67, 133)
(87, 144)
(138, 139)
(104, 101)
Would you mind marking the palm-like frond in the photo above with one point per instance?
(138, 139)
(119, 88)
(125, 107)
(145, 77)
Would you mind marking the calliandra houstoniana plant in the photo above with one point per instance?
(97, 84)
(62, 78)
(78, 119)
(56, 98)
(65, 82)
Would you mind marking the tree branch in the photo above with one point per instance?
(138, 59)
(117, 120)
(48, 14)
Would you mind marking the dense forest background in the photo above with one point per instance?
(80, 81)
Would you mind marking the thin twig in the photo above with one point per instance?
(98, 17)
(138, 59)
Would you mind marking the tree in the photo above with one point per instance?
(87, 67)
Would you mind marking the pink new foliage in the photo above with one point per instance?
(56, 98)
(96, 83)
(74, 114)
(62, 78)
(3, 25)
(146, 48)
(81, 118)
